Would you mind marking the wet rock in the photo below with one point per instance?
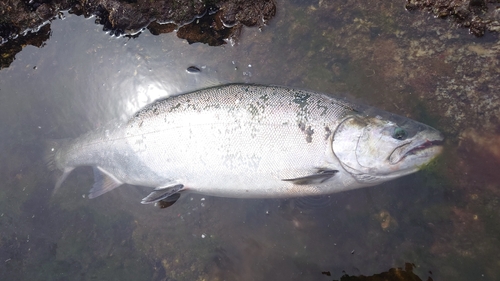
(9, 50)
(123, 17)
(209, 29)
(393, 274)
(45, 12)
(477, 15)
(157, 29)
(249, 13)
(7, 31)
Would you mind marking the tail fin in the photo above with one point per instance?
(51, 149)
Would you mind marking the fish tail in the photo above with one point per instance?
(50, 153)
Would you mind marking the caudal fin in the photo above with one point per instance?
(51, 149)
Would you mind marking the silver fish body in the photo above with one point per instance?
(251, 141)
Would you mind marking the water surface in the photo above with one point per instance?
(443, 219)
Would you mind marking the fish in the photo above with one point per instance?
(249, 141)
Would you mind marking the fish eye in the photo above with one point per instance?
(399, 134)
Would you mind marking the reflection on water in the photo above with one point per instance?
(442, 220)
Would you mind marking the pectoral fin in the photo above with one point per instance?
(104, 182)
(169, 201)
(320, 176)
(166, 193)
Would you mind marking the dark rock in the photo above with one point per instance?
(208, 29)
(249, 13)
(157, 29)
(477, 3)
(9, 50)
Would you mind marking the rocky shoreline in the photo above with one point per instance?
(27, 22)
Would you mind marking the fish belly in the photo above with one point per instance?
(237, 159)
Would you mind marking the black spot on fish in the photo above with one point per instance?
(172, 108)
(320, 106)
(328, 132)
(302, 126)
(301, 98)
(309, 132)
(344, 105)
(264, 97)
(306, 130)
(253, 110)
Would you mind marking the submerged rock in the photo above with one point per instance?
(477, 15)
(393, 274)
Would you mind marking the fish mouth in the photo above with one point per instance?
(424, 149)
(427, 144)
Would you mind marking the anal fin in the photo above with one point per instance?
(166, 193)
(319, 177)
(104, 182)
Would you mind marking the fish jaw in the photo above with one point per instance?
(426, 149)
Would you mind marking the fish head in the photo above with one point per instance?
(378, 148)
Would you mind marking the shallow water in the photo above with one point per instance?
(443, 219)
